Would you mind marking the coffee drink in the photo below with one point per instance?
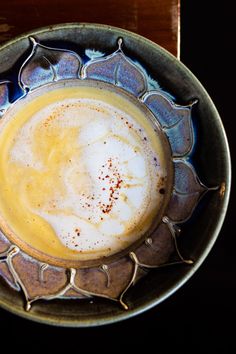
(83, 172)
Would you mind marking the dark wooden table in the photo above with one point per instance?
(157, 20)
(203, 311)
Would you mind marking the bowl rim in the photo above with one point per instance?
(217, 225)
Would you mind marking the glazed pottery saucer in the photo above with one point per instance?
(92, 288)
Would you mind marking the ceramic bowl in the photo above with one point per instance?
(180, 103)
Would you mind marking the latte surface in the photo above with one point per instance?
(83, 172)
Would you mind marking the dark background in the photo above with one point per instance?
(203, 311)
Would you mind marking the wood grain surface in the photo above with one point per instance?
(157, 20)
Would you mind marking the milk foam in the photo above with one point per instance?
(89, 170)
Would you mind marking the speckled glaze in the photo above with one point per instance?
(169, 90)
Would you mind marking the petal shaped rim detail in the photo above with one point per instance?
(143, 95)
(54, 74)
(114, 74)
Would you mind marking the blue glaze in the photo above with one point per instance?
(92, 54)
(195, 130)
(152, 84)
(118, 70)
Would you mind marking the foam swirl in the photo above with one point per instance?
(86, 172)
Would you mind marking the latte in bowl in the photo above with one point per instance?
(106, 152)
(85, 172)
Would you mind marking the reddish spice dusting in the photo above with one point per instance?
(109, 173)
(77, 230)
(162, 190)
(114, 181)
